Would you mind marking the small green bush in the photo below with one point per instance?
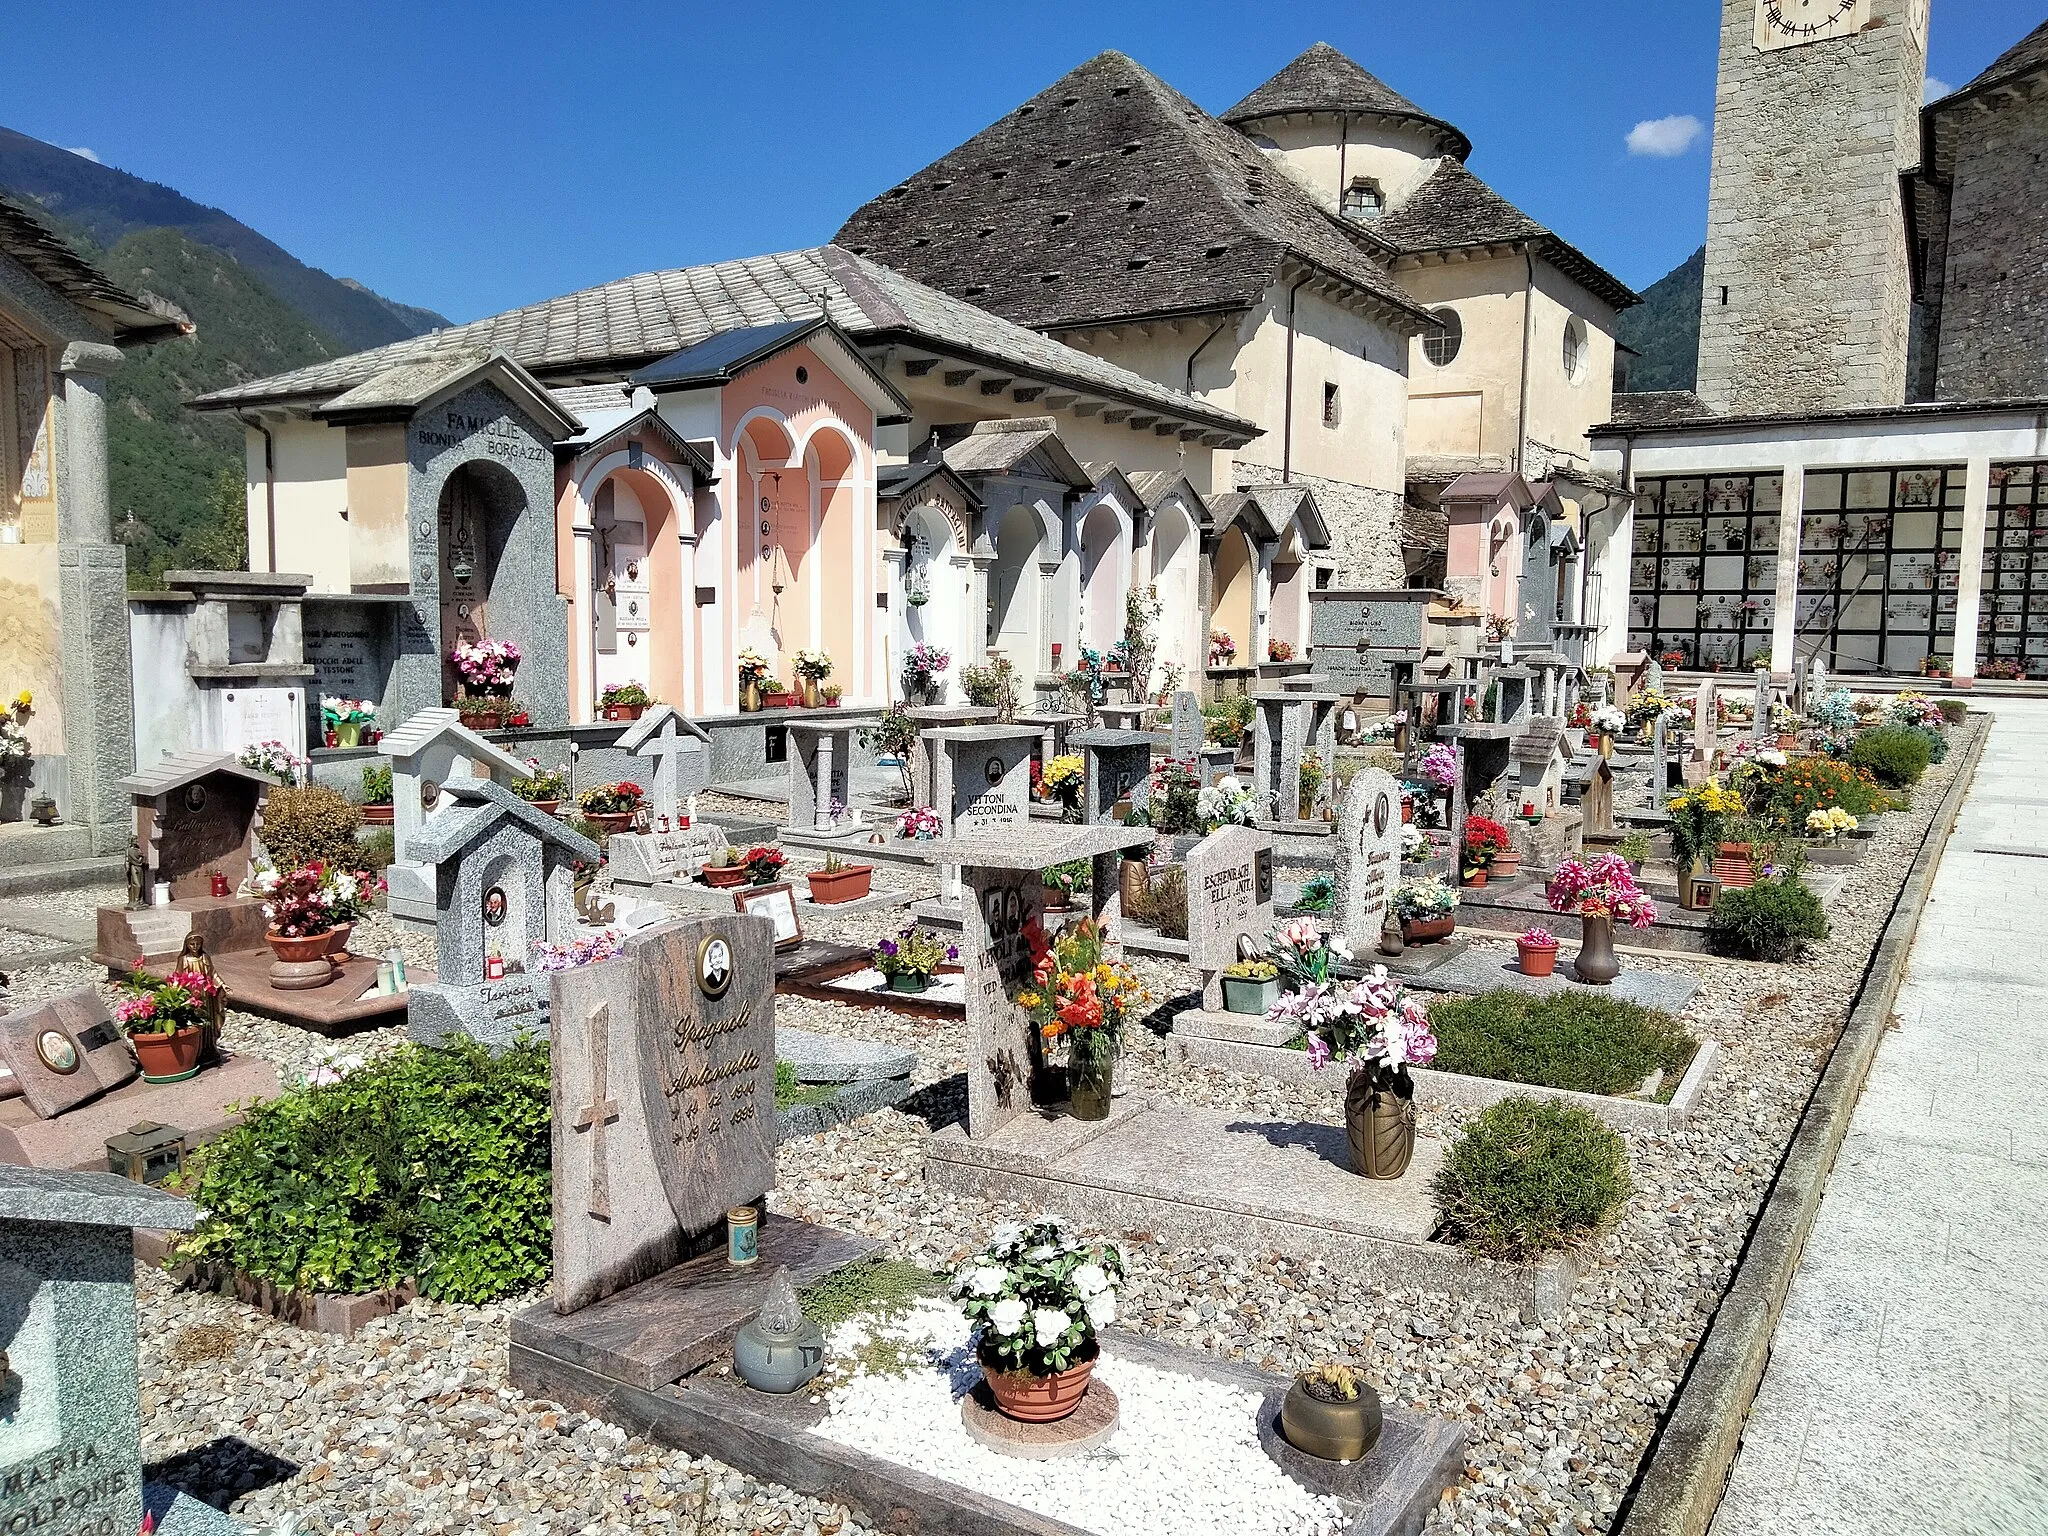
(1772, 920)
(311, 824)
(1569, 1040)
(1165, 909)
(377, 784)
(430, 1162)
(379, 849)
(1954, 711)
(1530, 1177)
(1318, 894)
(1895, 755)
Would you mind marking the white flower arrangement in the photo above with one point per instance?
(1608, 719)
(1039, 1294)
(1227, 802)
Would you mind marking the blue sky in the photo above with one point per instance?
(470, 157)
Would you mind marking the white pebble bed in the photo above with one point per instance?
(1185, 1456)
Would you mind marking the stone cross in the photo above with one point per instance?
(1230, 897)
(1369, 855)
(681, 753)
(599, 1112)
(1189, 727)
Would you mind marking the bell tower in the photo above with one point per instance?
(1807, 300)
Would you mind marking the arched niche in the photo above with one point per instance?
(1105, 574)
(479, 506)
(638, 584)
(1013, 588)
(1234, 587)
(1176, 576)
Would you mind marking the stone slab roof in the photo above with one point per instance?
(2025, 57)
(1321, 79)
(1455, 210)
(1651, 407)
(623, 325)
(129, 317)
(998, 447)
(90, 1200)
(481, 805)
(1035, 845)
(177, 769)
(1109, 196)
(430, 725)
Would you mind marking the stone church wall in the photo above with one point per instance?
(1994, 300)
(1364, 524)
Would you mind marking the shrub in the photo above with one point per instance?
(1165, 907)
(377, 784)
(1529, 1177)
(1953, 711)
(1229, 719)
(1895, 755)
(1808, 784)
(1771, 920)
(379, 849)
(1318, 894)
(1568, 1040)
(430, 1162)
(311, 824)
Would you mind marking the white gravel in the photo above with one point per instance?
(1185, 1455)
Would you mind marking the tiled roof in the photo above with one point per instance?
(2024, 57)
(1455, 209)
(1324, 80)
(619, 326)
(997, 447)
(128, 317)
(1109, 195)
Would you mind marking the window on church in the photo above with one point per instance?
(1333, 406)
(1575, 350)
(1363, 199)
(1441, 348)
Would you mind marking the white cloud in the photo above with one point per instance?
(1936, 89)
(85, 154)
(1665, 137)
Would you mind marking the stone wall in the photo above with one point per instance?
(1993, 300)
(1805, 231)
(1364, 524)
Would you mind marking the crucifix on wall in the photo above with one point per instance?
(600, 1112)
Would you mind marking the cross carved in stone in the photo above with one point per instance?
(599, 1112)
(664, 748)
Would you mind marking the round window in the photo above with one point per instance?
(1575, 350)
(1441, 347)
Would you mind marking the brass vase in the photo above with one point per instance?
(1134, 885)
(750, 697)
(1596, 964)
(807, 689)
(1379, 1122)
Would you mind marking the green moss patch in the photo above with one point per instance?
(1570, 1040)
(878, 1286)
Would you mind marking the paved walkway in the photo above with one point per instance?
(1908, 1384)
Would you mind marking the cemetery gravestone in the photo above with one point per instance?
(1119, 766)
(820, 774)
(652, 858)
(1653, 676)
(1760, 721)
(664, 1099)
(1286, 729)
(1189, 727)
(1706, 724)
(197, 813)
(680, 751)
(982, 777)
(1369, 856)
(999, 907)
(1230, 897)
(931, 718)
(427, 751)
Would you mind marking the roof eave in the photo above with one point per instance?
(1450, 135)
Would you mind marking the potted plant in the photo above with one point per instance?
(165, 1020)
(1698, 817)
(1038, 1296)
(623, 701)
(922, 669)
(840, 881)
(1485, 839)
(302, 919)
(726, 869)
(1061, 881)
(753, 668)
(543, 788)
(1080, 993)
(1332, 1413)
(480, 712)
(1279, 651)
(486, 668)
(1598, 891)
(763, 864)
(1785, 721)
(1318, 894)
(1426, 909)
(1635, 848)
(1250, 986)
(1828, 825)
(1606, 722)
(812, 668)
(920, 824)
(775, 694)
(831, 693)
(1537, 948)
(1061, 781)
(1310, 789)
(377, 810)
(611, 807)
(344, 719)
(1222, 649)
(1378, 1031)
(912, 958)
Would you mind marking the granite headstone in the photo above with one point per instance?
(1230, 897)
(1119, 767)
(1189, 728)
(650, 858)
(999, 908)
(1368, 856)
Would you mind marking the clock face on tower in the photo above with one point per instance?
(1788, 23)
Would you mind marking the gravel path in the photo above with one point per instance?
(411, 1426)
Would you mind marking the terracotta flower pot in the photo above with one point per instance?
(624, 711)
(1787, 740)
(848, 884)
(1537, 960)
(611, 821)
(481, 719)
(377, 815)
(724, 876)
(1596, 964)
(1379, 1123)
(298, 951)
(337, 938)
(1427, 930)
(169, 1058)
(546, 807)
(1475, 878)
(1506, 864)
(1056, 899)
(1041, 1399)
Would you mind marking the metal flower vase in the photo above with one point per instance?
(1596, 964)
(1091, 1075)
(1379, 1122)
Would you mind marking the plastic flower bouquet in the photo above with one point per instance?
(1697, 818)
(1371, 1025)
(816, 665)
(1601, 887)
(1423, 898)
(923, 666)
(486, 666)
(299, 904)
(275, 759)
(1537, 936)
(1304, 954)
(753, 666)
(339, 712)
(1607, 719)
(620, 799)
(1222, 649)
(1485, 840)
(764, 864)
(165, 1005)
(584, 949)
(1229, 802)
(1062, 778)
(1038, 1294)
(1440, 765)
(913, 952)
(920, 824)
(1829, 824)
(350, 894)
(1279, 650)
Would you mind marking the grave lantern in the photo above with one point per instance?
(147, 1153)
(1699, 891)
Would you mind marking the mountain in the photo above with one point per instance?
(1665, 328)
(110, 205)
(175, 476)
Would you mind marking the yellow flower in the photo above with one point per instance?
(24, 701)
(1027, 999)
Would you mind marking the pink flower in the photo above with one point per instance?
(1318, 1053)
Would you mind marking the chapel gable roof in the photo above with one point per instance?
(1321, 79)
(411, 385)
(1021, 445)
(1157, 486)
(1242, 507)
(648, 727)
(1108, 196)
(129, 317)
(1455, 210)
(177, 769)
(605, 428)
(480, 806)
(428, 726)
(895, 482)
(1289, 503)
(722, 358)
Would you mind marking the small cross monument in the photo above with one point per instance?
(681, 754)
(599, 1112)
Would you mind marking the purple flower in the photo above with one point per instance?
(1318, 1053)
(888, 947)
(952, 951)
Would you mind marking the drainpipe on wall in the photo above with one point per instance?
(1343, 150)
(1528, 329)
(1287, 418)
(269, 487)
(1220, 324)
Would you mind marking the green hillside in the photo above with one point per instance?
(1665, 328)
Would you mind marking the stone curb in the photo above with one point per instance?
(1679, 1484)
